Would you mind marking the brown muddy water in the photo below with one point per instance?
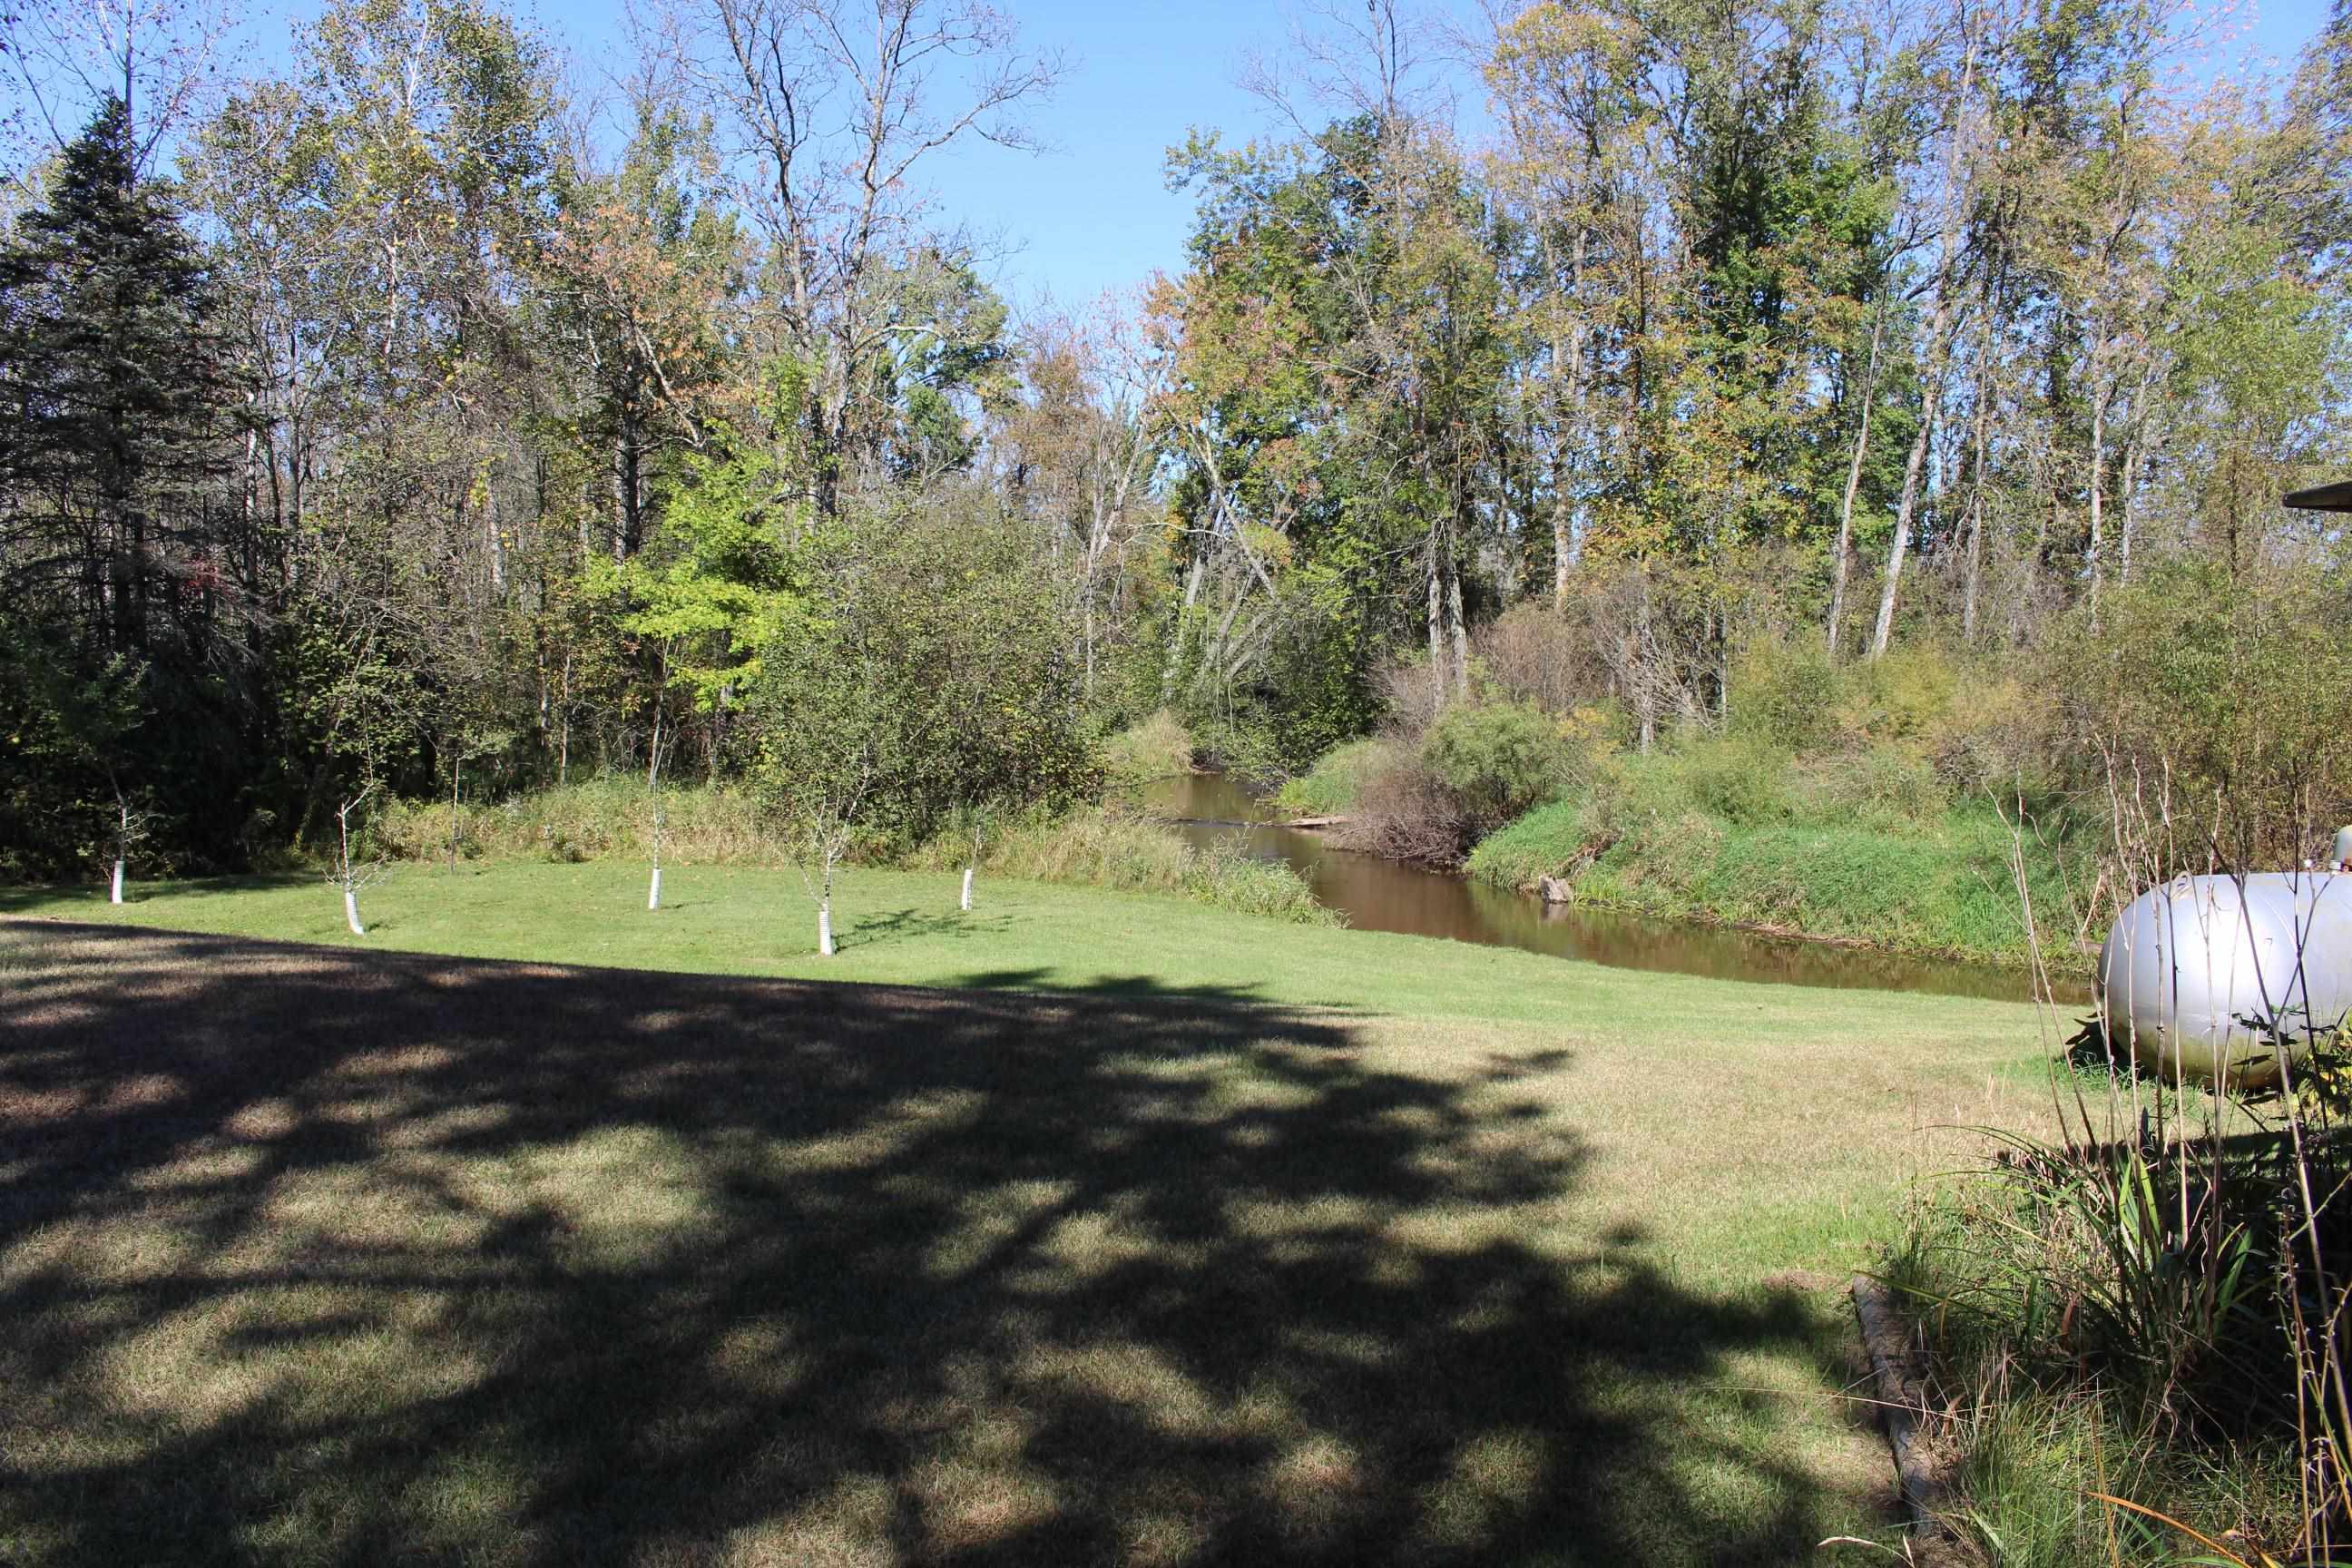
(1376, 894)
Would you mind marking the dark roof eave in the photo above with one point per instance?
(2336, 497)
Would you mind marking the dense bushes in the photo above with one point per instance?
(1429, 799)
(2219, 689)
(1336, 784)
(1158, 747)
(1498, 759)
(1102, 847)
(604, 819)
(1867, 849)
(1855, 802)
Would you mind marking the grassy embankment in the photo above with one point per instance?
(1170, 1237)
(1861, 849)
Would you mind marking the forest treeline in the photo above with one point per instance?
(384, 423)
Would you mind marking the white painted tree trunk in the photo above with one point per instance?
(965, 906)
(824, 926)
(653, 896)
(352, 912)
(116, 896)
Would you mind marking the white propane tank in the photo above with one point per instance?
(2201, 973)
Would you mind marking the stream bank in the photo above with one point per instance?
(1377, 894)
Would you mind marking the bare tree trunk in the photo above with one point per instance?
(1460, 631)
(497, 542)
(1176, 638)
(121, 841)
(824, 911)
(563, 751)
(1436, 630)
(2127, 481)
(1854, 481)
(2098, 499)
(345, 873)
(457, 762)
(1978, 417)
(1911, 475)
(1939, 347)
(1562, 518)
(1644, 673)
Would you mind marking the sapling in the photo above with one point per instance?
(829, 816)
(653, 791)
(129, 829)
(347, 875)
(979, 836)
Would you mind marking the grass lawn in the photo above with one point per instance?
(1163, 1236)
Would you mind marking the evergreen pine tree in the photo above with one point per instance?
(118, 385)
(116, 401)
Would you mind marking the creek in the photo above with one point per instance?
(1377, 894)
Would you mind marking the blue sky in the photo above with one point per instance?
(1095, 213)
(1092, 213)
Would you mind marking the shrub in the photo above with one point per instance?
(2227, 687)
(1100, 848)
(1535, 655)
(1742, 782)
(1900, 696)
(1785, 694)
(1228, 877)
(1157, 748)
(1499, 760)
(607, 815)
(1996, 738)
(1332, 787)
(1885, 786)
(1405, 812)
(1408, 694)
(1249, 749)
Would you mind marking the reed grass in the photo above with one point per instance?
(2137, 1324)
(1104, 848)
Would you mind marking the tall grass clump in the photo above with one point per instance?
(1102, 847)
(593, 820)
(1158, 747)
(2138, 1324)
(1550, 841)
(1336, 784)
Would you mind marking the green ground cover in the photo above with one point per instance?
(1947, 885)
(1153, 1235)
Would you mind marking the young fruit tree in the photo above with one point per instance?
(653, 791)
(1009, 670)
(348, 874)
(929, 673)
(130, 826)
(842, 711)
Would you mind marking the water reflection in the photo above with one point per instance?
(1383, 895)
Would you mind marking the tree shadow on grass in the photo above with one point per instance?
(901, 925)
(315, 1256)
(42, 899)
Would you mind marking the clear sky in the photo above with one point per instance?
(1094, 213)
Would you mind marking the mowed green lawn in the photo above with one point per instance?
(1106, 1228)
